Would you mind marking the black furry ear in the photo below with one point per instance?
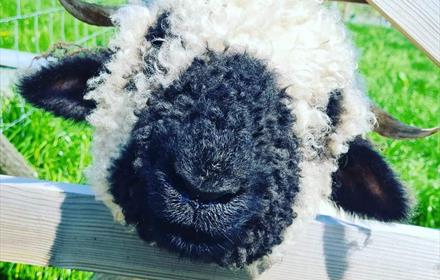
(365, 185)
(60, 87)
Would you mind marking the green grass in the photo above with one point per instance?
(28, 272)
(403, 81)
(399, 77)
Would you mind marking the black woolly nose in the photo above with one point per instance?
(212, 168)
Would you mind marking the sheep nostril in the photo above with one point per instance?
(220, 197)
(205, 192)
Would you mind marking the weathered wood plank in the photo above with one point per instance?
(418, 20)
(61, 225)
(12, 162)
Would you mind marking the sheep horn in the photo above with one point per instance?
(90, 13)
(389, 126)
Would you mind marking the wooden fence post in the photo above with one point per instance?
(12, 162)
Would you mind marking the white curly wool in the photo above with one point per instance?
(301, 40)
(114, 117)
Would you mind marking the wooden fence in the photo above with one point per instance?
(55, 224)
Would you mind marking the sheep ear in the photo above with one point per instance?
(60, 87)
(365, 185)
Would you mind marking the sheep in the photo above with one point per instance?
(221, 126)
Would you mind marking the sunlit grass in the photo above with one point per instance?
(402, 80)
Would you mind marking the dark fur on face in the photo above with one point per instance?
(214, 163)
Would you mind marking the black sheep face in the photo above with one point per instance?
(212, 167)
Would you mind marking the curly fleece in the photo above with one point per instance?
(238, 135)
(300, 40)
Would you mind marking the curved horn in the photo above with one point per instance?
(389, 126)
(90, 13)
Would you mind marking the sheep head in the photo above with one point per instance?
(220, 126)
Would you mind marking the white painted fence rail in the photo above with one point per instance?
(55, 224)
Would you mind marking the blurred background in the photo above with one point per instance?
(399, 77)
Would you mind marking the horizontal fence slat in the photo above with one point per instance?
(418, 20)
(15, 59)
(55, 224)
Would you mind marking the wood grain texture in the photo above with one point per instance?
(61, 225)
(12, 162)
(418, 20)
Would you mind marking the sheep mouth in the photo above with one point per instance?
(198, 229)
(198, 245)
(179, 211)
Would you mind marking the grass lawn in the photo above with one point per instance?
(403, 81)
(399, 77)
